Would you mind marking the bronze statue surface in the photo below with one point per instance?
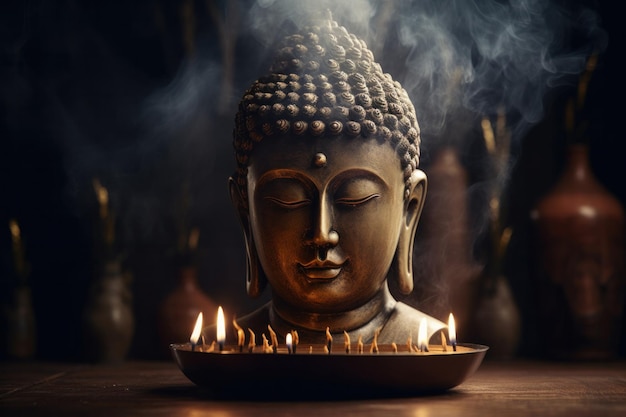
(328, 191)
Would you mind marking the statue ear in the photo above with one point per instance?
(255, 277)
(402, 266)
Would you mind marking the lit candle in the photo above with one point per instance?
(266, 344)
(197, 330)
(274, 338)
(221, 328)
(422, 336)
(241, 336)
(329, 340)
(374, 346)
(288, 341)
(252, 342)
(18, 256)
(296, 340)
(452, 332)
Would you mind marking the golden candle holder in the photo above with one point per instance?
(315, 373)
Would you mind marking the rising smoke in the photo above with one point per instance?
(450, 56)
(460, 54)
(457, 57)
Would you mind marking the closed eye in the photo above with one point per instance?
(289, 204)
(353, 202)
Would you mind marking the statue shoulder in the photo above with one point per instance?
(404, 322)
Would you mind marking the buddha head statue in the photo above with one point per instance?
(327, 187)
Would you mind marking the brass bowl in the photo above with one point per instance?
(318, 375)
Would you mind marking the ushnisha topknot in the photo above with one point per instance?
(324, 82)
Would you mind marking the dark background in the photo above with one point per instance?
(129, 93)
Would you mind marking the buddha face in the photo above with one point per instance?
(326, 216)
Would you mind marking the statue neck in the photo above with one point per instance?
(311, 327)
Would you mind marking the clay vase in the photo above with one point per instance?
(179, 311)
(579, 242)
(448, 280)
(496, 321)
(21, 335)
(108, 320)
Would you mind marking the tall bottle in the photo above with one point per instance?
(179, 310)
(18, 318)
(108, 319)
(109, 322)
(579, 248)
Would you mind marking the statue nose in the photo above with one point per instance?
(323, 234)
(326, 239)
(323, 242)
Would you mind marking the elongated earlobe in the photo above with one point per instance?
(402, 266)
(255, 277)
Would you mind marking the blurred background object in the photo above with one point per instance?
(142, 95)
(578, 239)
(19, 328)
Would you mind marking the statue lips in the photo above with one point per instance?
(321, 270)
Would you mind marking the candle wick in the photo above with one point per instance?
(295, 341)
(329, 340)
(274, 339)
(252, 341)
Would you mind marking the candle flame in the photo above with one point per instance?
(422, 335)
(252, 342)
(194, 236)
(374, 346)
(15, 230)
(102, 195)
(451, 330)
(241, 335)
(273, 337)
(266, 344)
(329, 340)
(221, 326)
(197, 330)
(488, 135)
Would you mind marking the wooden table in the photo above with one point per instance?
(516, 388)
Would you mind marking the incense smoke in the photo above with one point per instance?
(450, 56)
(476, 55)
(456, 58)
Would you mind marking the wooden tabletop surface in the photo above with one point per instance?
(518, 388)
